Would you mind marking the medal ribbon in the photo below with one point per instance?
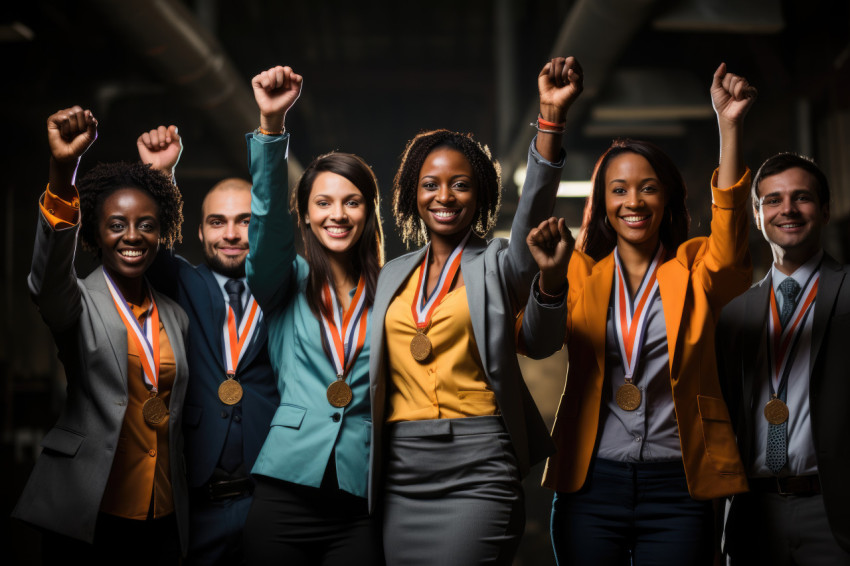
(631, 317)
(145, 338)
(345, 330)
(783, 342)
(235, 345)
(423, 309)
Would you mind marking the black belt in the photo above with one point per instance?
(789, 485)
(224, 489)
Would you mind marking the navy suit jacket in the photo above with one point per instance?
(206, 419)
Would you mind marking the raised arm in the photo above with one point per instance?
(52, 280)
(726, 269)
(559, 84)
(161, 148)
(271, 233)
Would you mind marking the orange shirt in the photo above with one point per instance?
(140, 478)
(451, 383)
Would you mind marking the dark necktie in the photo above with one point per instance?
(777, 435)
(234, 289)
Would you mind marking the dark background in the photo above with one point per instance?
(375, 74)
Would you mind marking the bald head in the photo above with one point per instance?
(225, 215)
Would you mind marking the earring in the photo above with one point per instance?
(606, 222)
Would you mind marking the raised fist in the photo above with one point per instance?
(731, 95)
(70, 132)
(560, 83)
(276, 91)
(551, 245)
(161, 148)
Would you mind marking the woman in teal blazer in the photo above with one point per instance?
(310, 501)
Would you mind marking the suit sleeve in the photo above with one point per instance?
(542, 326)
(52, 280)
(271, 233)
(535, 205)
(164, 272)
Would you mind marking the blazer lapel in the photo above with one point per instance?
(474, 280)
(216, 315)
(116, 332)
(831, 279)
(753, 336)
(597, 297)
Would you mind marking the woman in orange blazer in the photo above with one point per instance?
(642, 432)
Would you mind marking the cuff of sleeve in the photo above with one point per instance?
(540, 159)
(59, 212)
(263, 138)
(549, 302)
(734, 196)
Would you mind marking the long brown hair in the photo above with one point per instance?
(599, 239)
(368, 251)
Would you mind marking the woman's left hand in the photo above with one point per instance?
(551, 245)
(731, 95)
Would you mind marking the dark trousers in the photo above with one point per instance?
(636, 514)
(215, 530)
(293, 524)
(117, 541)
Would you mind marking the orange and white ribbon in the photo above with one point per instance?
(631, 316)
(423, 309)
(783, 342)
(145, 338)
(236, 343)
(345, 332)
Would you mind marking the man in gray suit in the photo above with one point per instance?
(782, 357)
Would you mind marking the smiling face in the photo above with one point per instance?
(128, 235)
(224, 230)
(446, 196)
(336, 213)
(634, 201)
(790, 214)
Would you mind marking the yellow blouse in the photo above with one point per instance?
(449, 384)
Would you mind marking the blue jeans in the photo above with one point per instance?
(632, 513)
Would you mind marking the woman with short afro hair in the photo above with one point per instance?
(111, 475)
(454, 428)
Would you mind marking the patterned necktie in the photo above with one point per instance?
(234, 289)
(777, 435)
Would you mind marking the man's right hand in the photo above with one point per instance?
(161, 148)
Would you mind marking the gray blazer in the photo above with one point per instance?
(497, 275)
(66, 486)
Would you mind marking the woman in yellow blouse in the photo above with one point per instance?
(109, 486)
(454, 427)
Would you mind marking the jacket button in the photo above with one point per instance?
(335, 417)
(151, 452)
(224, 414)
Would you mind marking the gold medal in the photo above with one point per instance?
(628, 396)
(154, 411)
(230, 391)
(775, 411)
(339, 394)
(420, 347)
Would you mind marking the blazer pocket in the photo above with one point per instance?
(62, 441)
(718, 435)
(289, 416)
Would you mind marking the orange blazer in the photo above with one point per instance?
(705, 274)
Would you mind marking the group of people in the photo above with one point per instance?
(272, 408)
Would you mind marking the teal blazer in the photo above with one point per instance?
(306, 429)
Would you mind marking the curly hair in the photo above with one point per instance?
(486, 170)
(106, 178)
(599, 239)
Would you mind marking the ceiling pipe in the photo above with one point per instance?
(169, 38)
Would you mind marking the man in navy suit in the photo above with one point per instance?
(232, 391)
(782, 356)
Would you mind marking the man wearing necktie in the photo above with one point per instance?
(232, 392)
(782, 352)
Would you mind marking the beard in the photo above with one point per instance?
(233, 270)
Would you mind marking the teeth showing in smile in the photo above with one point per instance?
(634, 218)
(337, 230)
(793, 225)
(131, 253)
(445, 213)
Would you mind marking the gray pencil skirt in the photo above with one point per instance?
(452, 495)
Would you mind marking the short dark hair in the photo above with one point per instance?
(106, 178)
(368, 252)
(780, 163)
(486, 171)
(599, 239)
